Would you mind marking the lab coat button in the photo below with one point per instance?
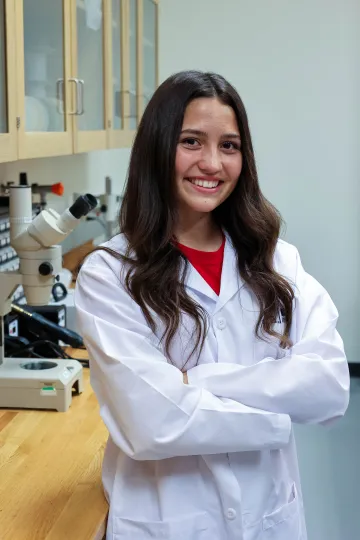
(221, 323)
(231, 513)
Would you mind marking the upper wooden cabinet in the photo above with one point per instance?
(8, 132)
(84, 71)
(133, 68)
(43, 59)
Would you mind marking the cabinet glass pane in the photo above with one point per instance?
(44, 65)
(133, 63)
(3, 85)
(90, 45)
(149, 50)
(116, 67)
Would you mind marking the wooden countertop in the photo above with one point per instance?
(50, 471)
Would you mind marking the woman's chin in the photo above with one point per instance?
(199, 204)
(203, 207)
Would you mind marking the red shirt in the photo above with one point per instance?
(207, 263)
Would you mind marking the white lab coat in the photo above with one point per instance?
(215, 459)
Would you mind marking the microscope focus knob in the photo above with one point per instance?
(45, 269)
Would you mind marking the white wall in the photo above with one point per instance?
(82, 173)
(296, 67)
(79, 173)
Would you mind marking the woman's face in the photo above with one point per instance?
(208, 157)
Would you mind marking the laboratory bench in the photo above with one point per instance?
(50, 471)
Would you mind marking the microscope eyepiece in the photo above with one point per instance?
(83, 205)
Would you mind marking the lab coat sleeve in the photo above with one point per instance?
(310, 383)
(148, 410)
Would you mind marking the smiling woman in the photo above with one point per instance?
(207, 167)
(208, 159)
(207, 339)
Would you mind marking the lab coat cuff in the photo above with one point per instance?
(281, 423)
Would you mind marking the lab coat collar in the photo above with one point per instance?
(230, 279)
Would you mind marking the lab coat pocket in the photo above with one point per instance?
(284, 523)
(189, 527)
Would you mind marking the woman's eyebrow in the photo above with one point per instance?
(230, 136)
(200, 133)
(195, 132)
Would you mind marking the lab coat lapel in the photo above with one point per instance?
(231, 281)
(196, 282)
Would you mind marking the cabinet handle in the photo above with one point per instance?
(79, 109)
(74, 80)
(60, 96)
(80, 86)
(132, 94)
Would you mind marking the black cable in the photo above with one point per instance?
(81, 360)
(29, 352)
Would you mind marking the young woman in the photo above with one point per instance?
(207, 339)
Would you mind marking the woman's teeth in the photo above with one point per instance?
(205, 183)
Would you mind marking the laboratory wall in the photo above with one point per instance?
(82, 173)
(296, 66)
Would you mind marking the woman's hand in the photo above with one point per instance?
(185, 378)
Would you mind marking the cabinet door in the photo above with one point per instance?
(89, 63)
(148, 57)
(142, 56)
(120, 134)
(134, 11)
(43, 73)
(8, 134)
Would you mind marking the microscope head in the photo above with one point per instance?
(36, 240)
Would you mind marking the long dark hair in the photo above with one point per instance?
(156, 275)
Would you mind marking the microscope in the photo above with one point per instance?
(27, 382)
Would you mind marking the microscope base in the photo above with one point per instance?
(31, 383)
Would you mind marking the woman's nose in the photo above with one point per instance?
(210, 161)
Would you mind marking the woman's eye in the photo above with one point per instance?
(228, 145)
(189, 141)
